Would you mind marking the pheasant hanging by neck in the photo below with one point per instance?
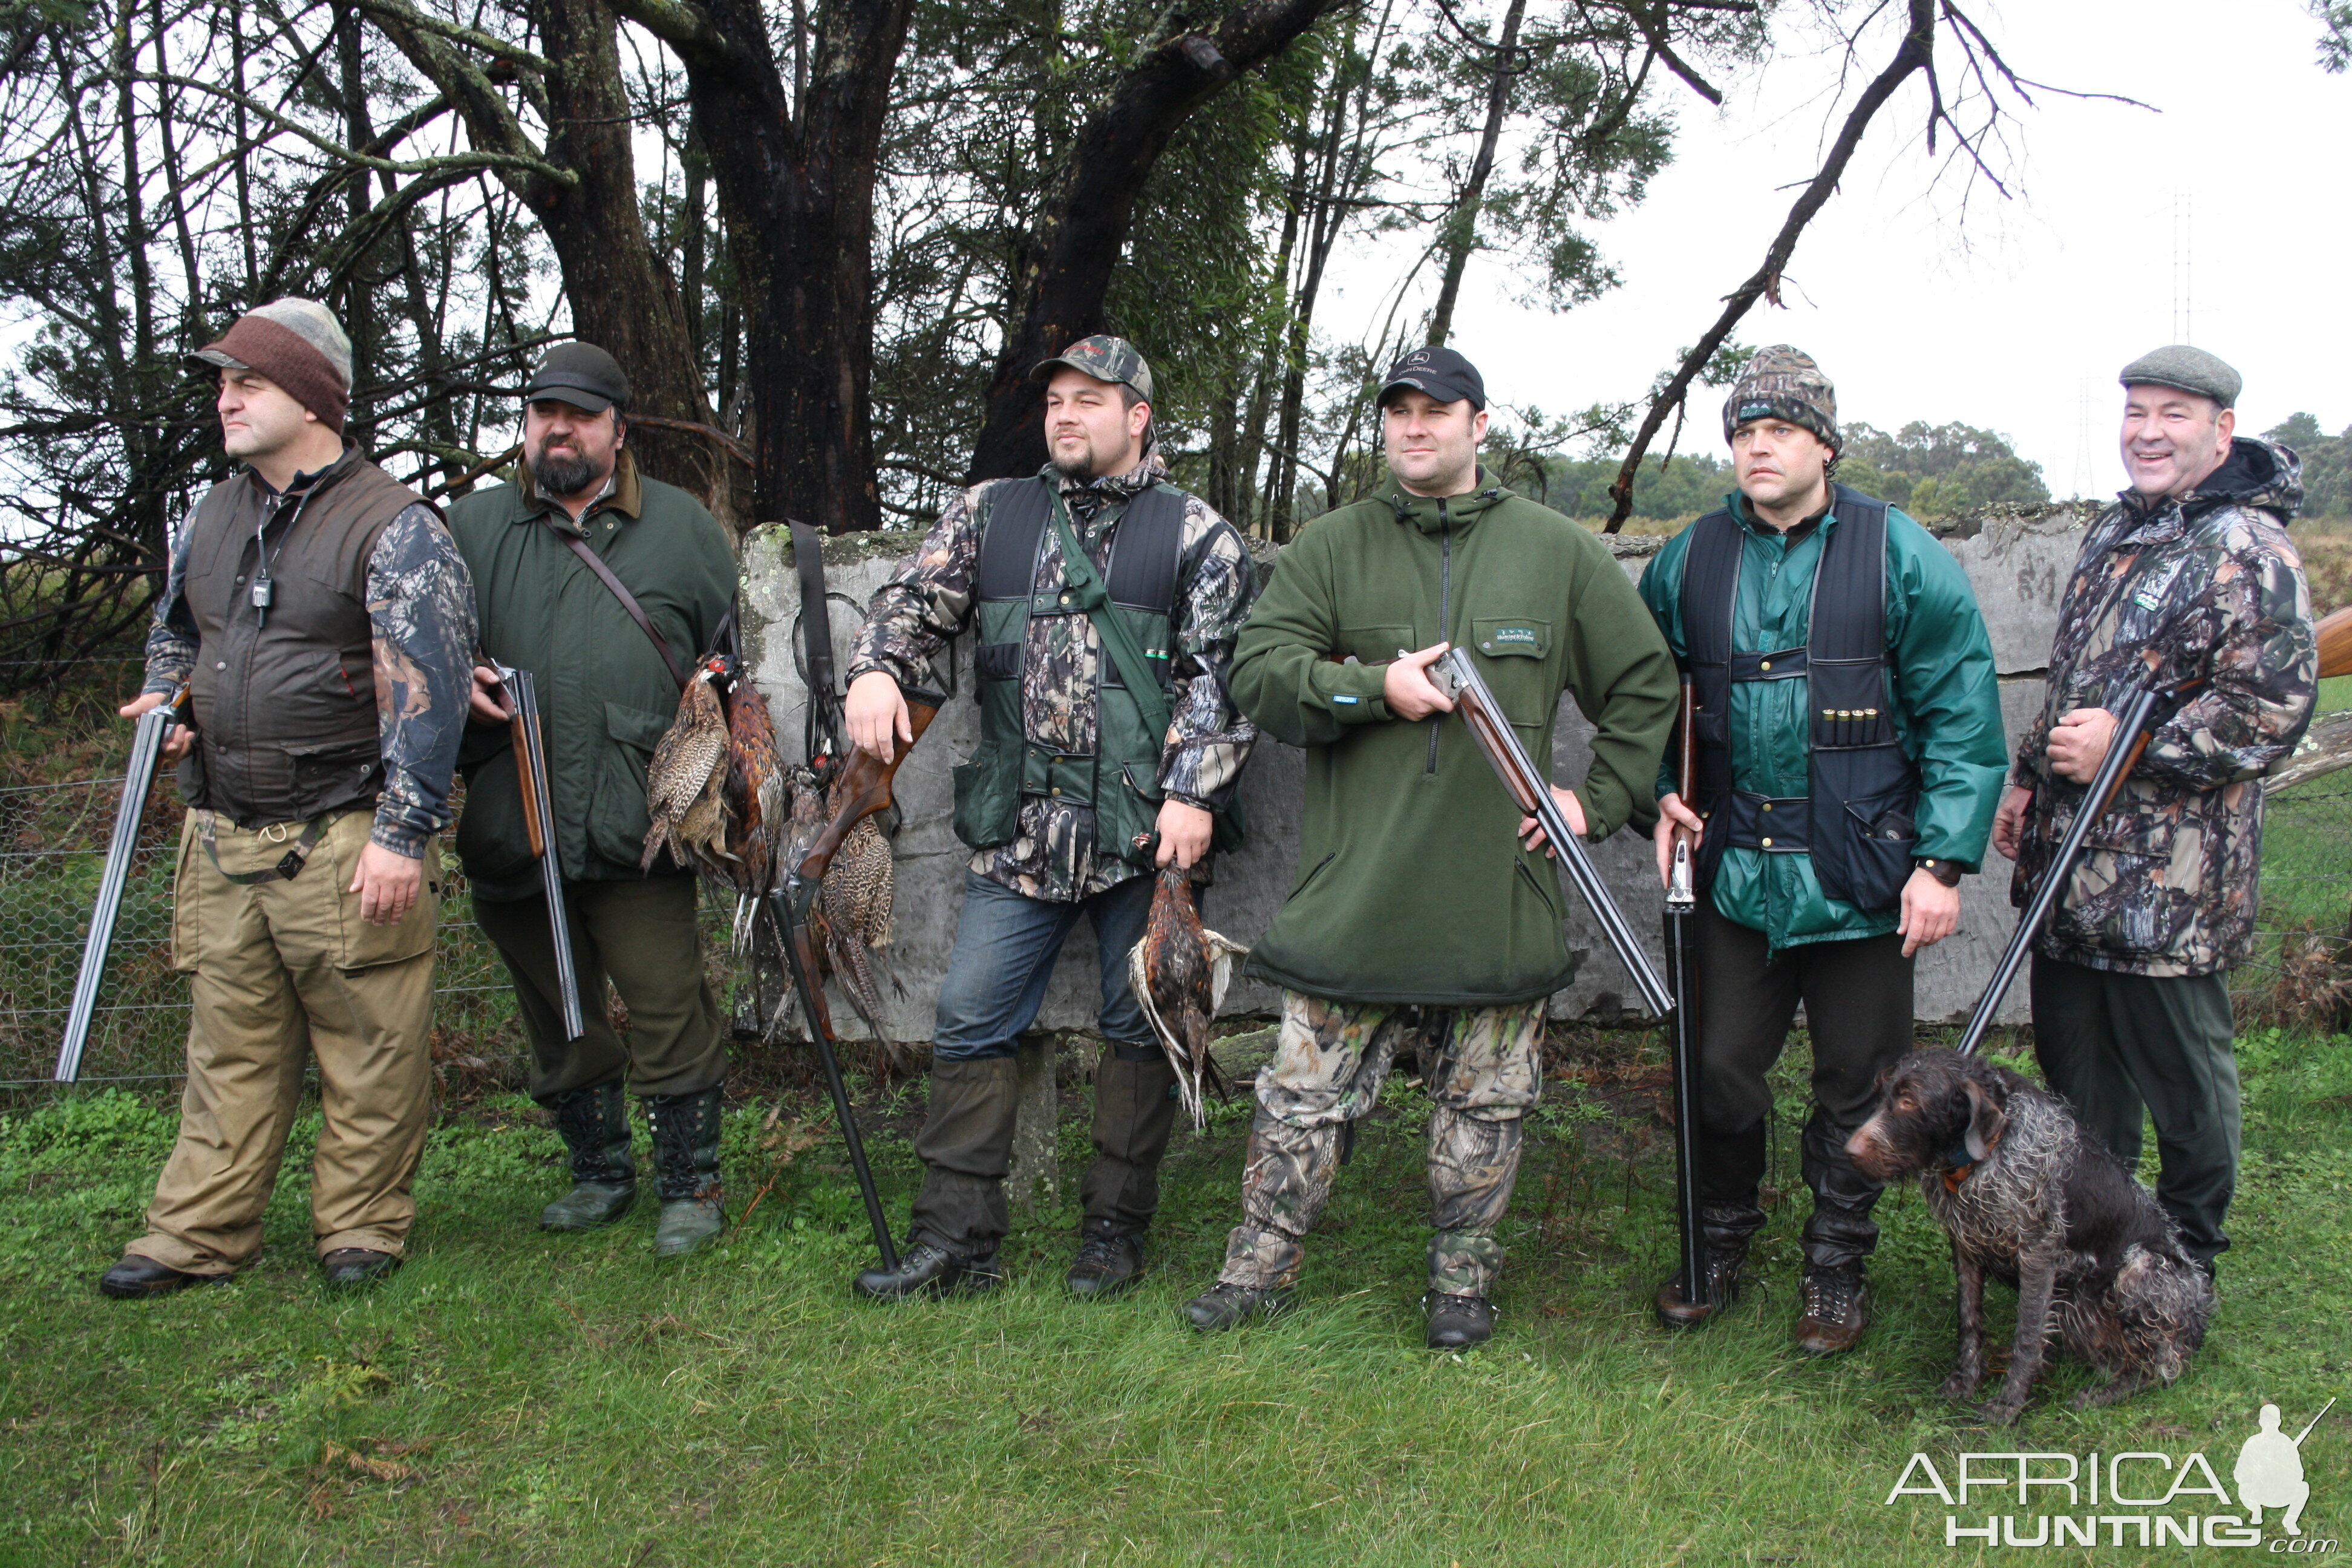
(1180, 971)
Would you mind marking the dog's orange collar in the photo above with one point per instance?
(1955, 1175)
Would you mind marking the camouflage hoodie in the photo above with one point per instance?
(2200, 586)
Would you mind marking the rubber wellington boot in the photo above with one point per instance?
(594, 1122)
(685, 1152)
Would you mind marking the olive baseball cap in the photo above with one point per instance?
(1441, 373)
(1104, 357)
(581, 375)
(2190, 369)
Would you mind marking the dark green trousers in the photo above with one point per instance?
(2126, 1048)
(641, 937)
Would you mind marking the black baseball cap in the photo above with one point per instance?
(581, 375)
(1441, 373)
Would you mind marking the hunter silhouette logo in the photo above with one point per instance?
(2133, 1497)
(2270, 1471)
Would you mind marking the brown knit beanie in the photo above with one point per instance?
(299, 344)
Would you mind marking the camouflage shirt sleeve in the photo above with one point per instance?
(1207, 740)
(2254, 614)
(172, 635)
(421, 602)
(928, 600)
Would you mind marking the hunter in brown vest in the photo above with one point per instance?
(323, 622)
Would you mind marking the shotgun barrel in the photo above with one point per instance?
(147, 741)
(524, 723)
(1682, 981)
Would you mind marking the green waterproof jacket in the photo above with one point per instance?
(1412, 884)
(1947, 709)
(604, 694)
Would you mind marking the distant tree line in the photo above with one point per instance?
(2326, 463)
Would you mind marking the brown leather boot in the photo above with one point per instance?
(1727, 1228)
(1836, 1310)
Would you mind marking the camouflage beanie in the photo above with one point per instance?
(1783, 382)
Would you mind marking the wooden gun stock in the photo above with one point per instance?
(1686, 743)
(866, 788)
(2334, 635)
(527, 779)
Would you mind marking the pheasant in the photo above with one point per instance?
(851, 913)
(686, 782)
(1179, 971)
(758, 793)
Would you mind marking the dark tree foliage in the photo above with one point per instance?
(2326, 463)
(1934, 470)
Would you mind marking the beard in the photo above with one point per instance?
(1082, 467)
(562, 474)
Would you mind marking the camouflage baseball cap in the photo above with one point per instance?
(1106, 358)
(1783, 382)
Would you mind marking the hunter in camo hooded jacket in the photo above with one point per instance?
(2200, 585)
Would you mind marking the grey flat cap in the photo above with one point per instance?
(2190, 369)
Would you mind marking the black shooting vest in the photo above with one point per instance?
(284, 701)
(1120, 781)
(1858, 820)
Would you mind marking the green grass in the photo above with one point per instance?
(516, 1398)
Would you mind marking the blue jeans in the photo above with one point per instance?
(1004, 951)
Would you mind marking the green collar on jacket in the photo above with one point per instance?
(624, 495)
(1431, 513)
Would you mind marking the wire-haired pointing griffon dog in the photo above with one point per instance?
(2030, 1198)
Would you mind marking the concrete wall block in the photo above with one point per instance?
(2018, 559)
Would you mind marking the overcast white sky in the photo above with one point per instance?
(2008, 321)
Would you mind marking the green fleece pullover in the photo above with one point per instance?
(1411, 885)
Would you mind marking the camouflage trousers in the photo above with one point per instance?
(1484, 1068)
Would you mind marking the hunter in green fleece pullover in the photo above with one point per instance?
(1413, 884)
(1420, 924)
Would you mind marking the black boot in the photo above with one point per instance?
(1109, 1261)
(960, 1215)
(686, 1153)
(1458, 1323)
(1727, 1230)
(595, 1123)
(925, 1270)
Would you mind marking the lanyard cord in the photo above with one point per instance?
(262, 588)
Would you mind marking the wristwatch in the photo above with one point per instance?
(1944, 871)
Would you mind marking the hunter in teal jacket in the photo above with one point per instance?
(1947, 709)
(1412, 885)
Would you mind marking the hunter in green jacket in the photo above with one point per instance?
(1850, 758)
(606, 696)
(1419, 918)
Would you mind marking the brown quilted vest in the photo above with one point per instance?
(284, 703)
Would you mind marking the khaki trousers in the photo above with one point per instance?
(640, 935)
(280, 973)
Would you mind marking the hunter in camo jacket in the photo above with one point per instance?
(2188, 578)
(2203, 587)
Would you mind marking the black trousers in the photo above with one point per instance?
(1857, 997)
(2126, 1048)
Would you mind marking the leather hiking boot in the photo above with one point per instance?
(594, 1125)
(1223, 1306)
(1458, 1323)
(1837, 1309)
(1675, 1308)
(926, 1269)
(686, 1154)
(348, 1267)
(135, 1277)
(1108, 1262)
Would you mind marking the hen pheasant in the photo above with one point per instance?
(851, 913)
(686, 782)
